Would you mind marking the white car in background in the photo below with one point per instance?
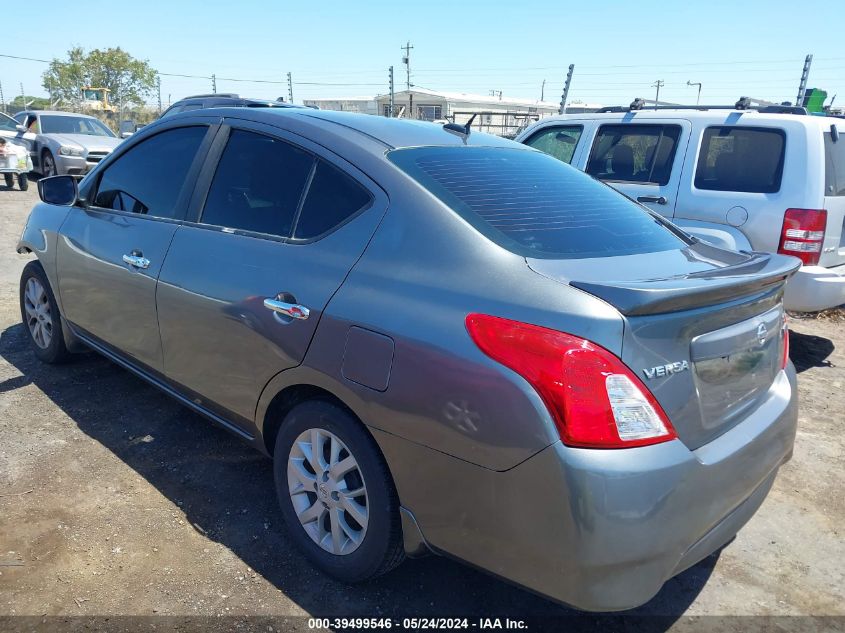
(66, 142)
(743, 179)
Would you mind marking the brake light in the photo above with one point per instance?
(802, 234)
(594, 399)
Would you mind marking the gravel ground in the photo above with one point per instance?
(115, 500)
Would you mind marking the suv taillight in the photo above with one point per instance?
(592, 396)
(802, 234)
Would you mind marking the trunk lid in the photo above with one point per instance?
(707, 340)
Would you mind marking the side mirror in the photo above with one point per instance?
(834, 133)
(20, 128)
(62, 191)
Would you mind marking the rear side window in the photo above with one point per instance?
(149, 177)
(745, 159)
(834, 165)
(634, 153)
(559, 141)
(533, 204)
(258, 184)
(332, 198)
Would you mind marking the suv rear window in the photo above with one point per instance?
(634, 153)
(834, 165)
(533, 204)
(744, 159)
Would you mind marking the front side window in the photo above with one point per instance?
(148, 178)
(533, 204)
(559, 141)
(258, 185)
(634, 153)
(744, 159)
(834, 165)
(8, 124)
(56, 124)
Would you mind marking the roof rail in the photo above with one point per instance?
(744, 103)
(228, 95)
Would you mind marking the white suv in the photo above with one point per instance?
(739, 178)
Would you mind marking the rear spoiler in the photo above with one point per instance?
(758, 274)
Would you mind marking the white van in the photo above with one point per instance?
(739, 178)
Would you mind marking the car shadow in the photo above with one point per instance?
(225, 489)
(807, 350)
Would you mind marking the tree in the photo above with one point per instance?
(32, 103)
(128, 79)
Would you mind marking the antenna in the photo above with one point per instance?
(464, 130)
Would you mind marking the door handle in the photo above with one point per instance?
(136, 260)
(653, 199)
(293, 310)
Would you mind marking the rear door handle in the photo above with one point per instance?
(653, 199)
(136, 260)
(293, 310)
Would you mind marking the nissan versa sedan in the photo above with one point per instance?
(446, 341)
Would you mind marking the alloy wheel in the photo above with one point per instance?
(327, 491)
(49, 165)
(39, 318)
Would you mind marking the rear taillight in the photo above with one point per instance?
(594, 399)
(802, 234)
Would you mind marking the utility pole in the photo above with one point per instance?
(805, 75)
(543, 91)
(391, 110)
(290, 88)
(158, 87)
(23, 96)
(693, 83)
(658, 84)
(407, 61)
(213, 83)
(2, 99)
(566, 84)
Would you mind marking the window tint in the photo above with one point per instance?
(740, 159)
(149, 177)
(332, 198)
(533, 204)
(258, 184)
(8, 124)
(834, 165)
(559, 141)
(634, 153)
(171, 110)
(56, 124)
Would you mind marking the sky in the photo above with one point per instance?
(334, 49)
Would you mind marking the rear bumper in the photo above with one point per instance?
(815, 288)
(600, 530)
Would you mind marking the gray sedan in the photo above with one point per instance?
(64, 142)
(448, 342)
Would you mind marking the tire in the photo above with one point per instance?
(40, 315)
(48, 164)
(10, 180)
(23, 182)
(380, 547)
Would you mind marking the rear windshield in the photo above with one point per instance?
(834, 164)
(533, 204)
(745, 159)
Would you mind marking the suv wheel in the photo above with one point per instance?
(336, 493)
(48, 164)
(40, 315)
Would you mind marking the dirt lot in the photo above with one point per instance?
(116, 500)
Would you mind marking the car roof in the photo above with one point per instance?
(56, 113)
(391, 133)
(721, 115)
